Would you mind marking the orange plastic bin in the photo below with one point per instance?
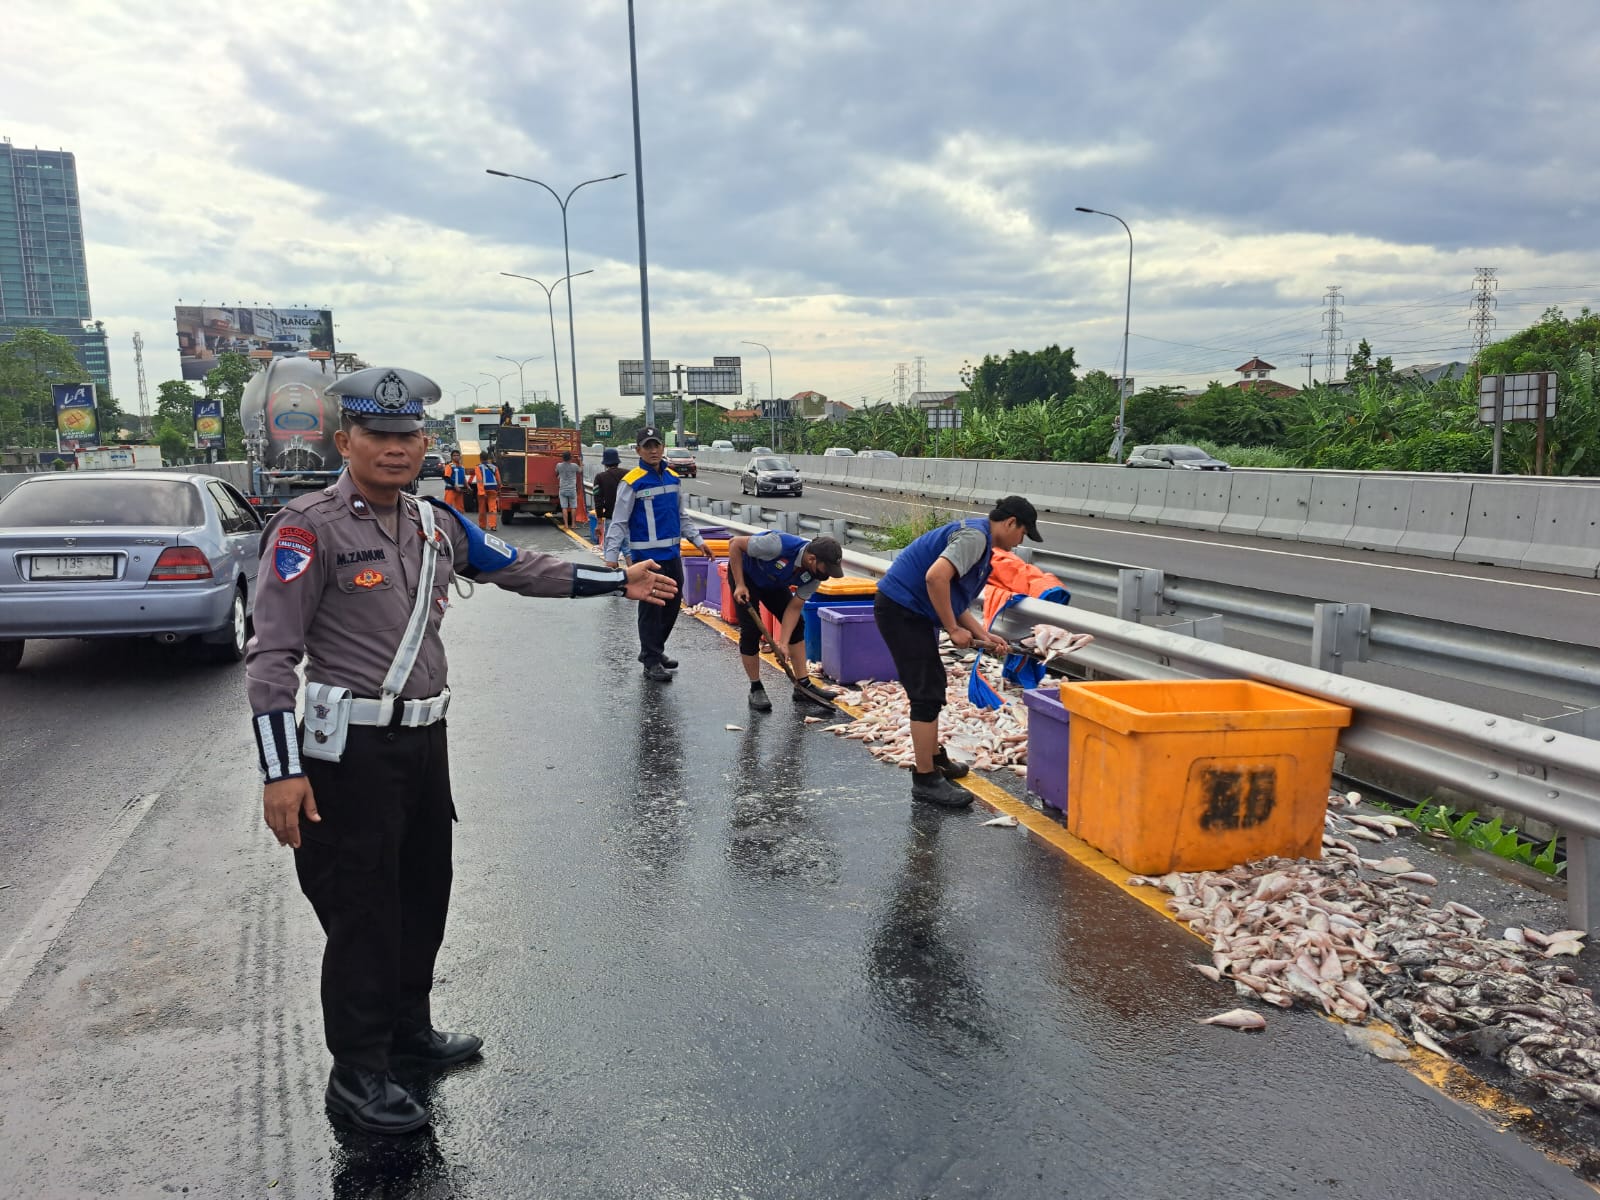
(730, 610)
(1199, 774)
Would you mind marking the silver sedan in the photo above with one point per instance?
(99, 554)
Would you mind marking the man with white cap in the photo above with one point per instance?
(355, 579)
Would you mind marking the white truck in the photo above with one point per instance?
(102, 458)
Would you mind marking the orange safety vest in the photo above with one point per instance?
(1009, 575)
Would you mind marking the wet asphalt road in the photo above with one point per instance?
(707, 963)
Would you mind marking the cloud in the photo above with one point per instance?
(855, 185)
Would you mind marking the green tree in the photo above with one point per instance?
(226, 382)
(1152, 412)
(548, 413)
(1021, 377)
(1362, 368)
(29, 363)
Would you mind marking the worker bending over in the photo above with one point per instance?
(764, 567)
(931, 586)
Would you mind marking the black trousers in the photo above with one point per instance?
(776, 601)
(913, 642)
(377, 871)
(656, 620)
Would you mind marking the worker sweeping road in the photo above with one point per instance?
(929, 586)
(487, 480)
(456, 481)
(764, 567)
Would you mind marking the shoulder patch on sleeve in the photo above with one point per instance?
(294, 549)
(485, 552)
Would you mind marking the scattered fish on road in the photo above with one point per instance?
(1004, 821)
(1237, 1018)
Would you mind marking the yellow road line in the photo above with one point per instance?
(1447, 1077)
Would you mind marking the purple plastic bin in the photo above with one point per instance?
(1048, 745)
(694, 579)
(715, 531)
(713, 583)
(852, 647)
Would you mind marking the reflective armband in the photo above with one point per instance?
(597, 581)
(279, 746)
(486, 553)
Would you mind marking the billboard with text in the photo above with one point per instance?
(206, 333)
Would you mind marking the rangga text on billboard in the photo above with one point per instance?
(206, 333)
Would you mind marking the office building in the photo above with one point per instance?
(44, 278)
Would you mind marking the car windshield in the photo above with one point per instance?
(1186, 452)
(772, 464)
(90, 501)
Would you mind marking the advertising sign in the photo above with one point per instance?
(76, 423)
(208, 424)
(204, 334)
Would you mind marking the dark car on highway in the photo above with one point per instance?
(681, 461)
(1174, 457)
(432, 465)
(770, 475)
(102, 554)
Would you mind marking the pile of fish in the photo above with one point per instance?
(985, 739)
(1347, 935)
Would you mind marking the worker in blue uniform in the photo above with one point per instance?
(456, 478)
(649, 511)
(779, 571)
(930, 586)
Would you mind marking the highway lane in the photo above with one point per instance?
(1538, 604)
(709, 962)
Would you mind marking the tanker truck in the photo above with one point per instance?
(288, 426)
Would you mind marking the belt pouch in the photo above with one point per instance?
(326, 722)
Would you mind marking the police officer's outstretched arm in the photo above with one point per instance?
(289, 587)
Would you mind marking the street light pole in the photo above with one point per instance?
(499, 383)
(772, 398)
(474, 387)
(566, 251)
(1127, 313)
(522, 388)
(555, 359)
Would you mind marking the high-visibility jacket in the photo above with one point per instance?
(654, 530)
(784, 571)
(906, 581)
(456, 477)
(488, 476)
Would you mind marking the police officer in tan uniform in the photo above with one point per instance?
(363, 795)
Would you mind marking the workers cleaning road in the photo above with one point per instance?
(779, 572)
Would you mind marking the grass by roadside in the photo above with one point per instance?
(902, 533)
(1494, 836)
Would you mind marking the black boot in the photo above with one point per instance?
(372, 1102)
(657, 672)
(432, 1048)
(934, 788)
(758, 698)
(670, 664)
(947, 766)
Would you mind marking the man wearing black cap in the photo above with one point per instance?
(650, 512)
(605, 490)
(764, 567)
(355, 580)
(931, 585)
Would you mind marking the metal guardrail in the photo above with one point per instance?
(1531, 770)
(1328, 635)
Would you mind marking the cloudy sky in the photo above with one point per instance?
(856, 183)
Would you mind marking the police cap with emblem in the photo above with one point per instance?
(388, 399)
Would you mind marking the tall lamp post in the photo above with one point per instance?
(522, 388)
(566, 250)
(772, 398)
(555, 364)
(499, 383)
(1122, 384)
(474, 387)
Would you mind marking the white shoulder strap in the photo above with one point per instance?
(411, 644)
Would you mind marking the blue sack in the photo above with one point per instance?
(1021, 669)
(978, 689)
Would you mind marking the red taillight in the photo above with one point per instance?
(181, 562)
(254, 499)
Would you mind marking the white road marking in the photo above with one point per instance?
(36, 938)
(1191, 541)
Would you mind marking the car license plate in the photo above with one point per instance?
(74, 566)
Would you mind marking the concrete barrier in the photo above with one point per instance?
(1098, 501)
(1288, 499)
(1566, 536)
(1330, 510)
(1209, 506)
(1181, 489)
(1247, 504)
(967, 479)
(1383, 506)
(1150, 495)
(1074, 490)
(1500, 524)
(993, 480)
(1438, 518)
(1123, 493)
